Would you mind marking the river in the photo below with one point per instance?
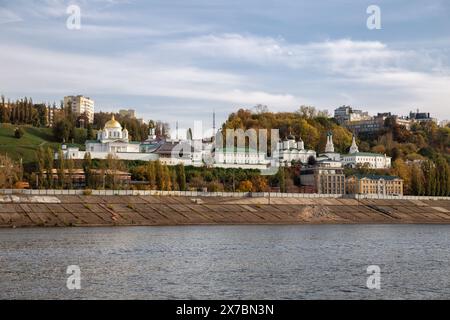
(227, 262)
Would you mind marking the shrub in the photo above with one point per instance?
(18, 133)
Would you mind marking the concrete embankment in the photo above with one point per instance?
(66, 211)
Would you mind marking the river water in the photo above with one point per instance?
(227, 262)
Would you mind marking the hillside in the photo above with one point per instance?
(26, 146)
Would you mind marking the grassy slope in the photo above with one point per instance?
(26, 146)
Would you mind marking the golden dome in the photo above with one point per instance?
(113, 124)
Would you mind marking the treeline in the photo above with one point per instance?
(62, 173)
(68, 127)
(424, 140)
(24, 111)
(137, 130)
(180, 178)
(308, 123)
(425, 178)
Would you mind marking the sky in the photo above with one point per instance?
(178, 60)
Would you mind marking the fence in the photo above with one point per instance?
(209, 194)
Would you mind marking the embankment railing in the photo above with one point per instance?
(46, 192)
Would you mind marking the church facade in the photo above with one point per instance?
(371, 160)
(112, 139)
(291, 151)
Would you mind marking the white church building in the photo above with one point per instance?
(372, 160)
(291, 150)
(112, 139)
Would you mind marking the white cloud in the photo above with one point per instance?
(8, 16)
(40, 70)
(371, 70)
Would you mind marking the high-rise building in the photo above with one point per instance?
(80, 105)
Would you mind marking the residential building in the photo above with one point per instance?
(421, 117)
(404, 121)
(374, 124)
(81, 105)
(130, 113)
(346, 114)
(375, 185)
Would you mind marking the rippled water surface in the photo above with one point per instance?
(227, 262)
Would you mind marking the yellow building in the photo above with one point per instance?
(374, 184)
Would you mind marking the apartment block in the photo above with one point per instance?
(81, 105)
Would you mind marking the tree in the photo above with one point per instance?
(151, 174)
(40, 156)
(62, 130)
(417, 181)
(18, 132)
(181, 177)
(87, 168)
(402, 170)
(159, 175)
(90, 132)
(245, 186)
(61, 169)
(9, 172)
(282, 179)
(429, 172)
(49, 161)
(259, 184)
(113, 166)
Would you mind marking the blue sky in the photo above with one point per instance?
(179, 60)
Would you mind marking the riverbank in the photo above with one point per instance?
(18, 211)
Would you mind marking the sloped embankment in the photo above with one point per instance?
(63, 211)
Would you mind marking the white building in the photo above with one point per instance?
(348, 114)
(195, 152)
(81, 105)
(372, 160)
(112, 139)
(293, 151)
(329, 154)
(239, 156)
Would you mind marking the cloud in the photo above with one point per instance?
(362, 70)
(333, 55)
(41, 70)
(8, 16)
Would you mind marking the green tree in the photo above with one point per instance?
(181, 175)
(87, 168)
(18, 132)
(61, 163)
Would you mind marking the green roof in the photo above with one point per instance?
(365, 154)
